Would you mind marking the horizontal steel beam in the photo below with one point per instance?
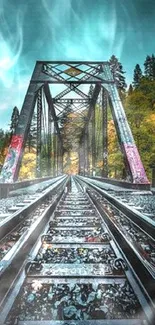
(75, 62)
(71, 100)
(79, 82)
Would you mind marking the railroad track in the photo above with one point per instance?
(140, 201)
(20, 231)
(20, 198)
(77, 273)
(18, 210)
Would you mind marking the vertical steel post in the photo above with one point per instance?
(57, 154)
(88, 163)
(90, 147)
(81, 158)
(86, 148)
(54, 153)
(105, 132)
(49, 141)
(61, 157)
(52, 148)
(79, 155)
(93, 142)
(39, 113)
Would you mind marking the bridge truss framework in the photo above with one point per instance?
(72, 75)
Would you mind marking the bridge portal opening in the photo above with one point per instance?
(67, 102)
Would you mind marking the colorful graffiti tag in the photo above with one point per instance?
(136, 166)
(9, 168)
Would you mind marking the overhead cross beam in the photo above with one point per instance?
(71, 100)
(69, 88)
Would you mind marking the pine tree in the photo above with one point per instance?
(130, 90)
(14, 120)
(4, 143)
(137, 76)
(118, 73)
(149, 67)
(153, 67)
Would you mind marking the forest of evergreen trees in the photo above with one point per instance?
(139, 104)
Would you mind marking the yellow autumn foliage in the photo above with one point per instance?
(71, 164)
(28, 167)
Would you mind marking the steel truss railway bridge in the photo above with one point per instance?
(73, 249)
(56, 86)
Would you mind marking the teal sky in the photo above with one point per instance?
(33, 30)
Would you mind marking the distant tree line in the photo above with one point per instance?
(139, 104)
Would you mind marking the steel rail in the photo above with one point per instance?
(76, 226)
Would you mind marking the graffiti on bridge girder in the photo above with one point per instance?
(136, 166)
(9, 168)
